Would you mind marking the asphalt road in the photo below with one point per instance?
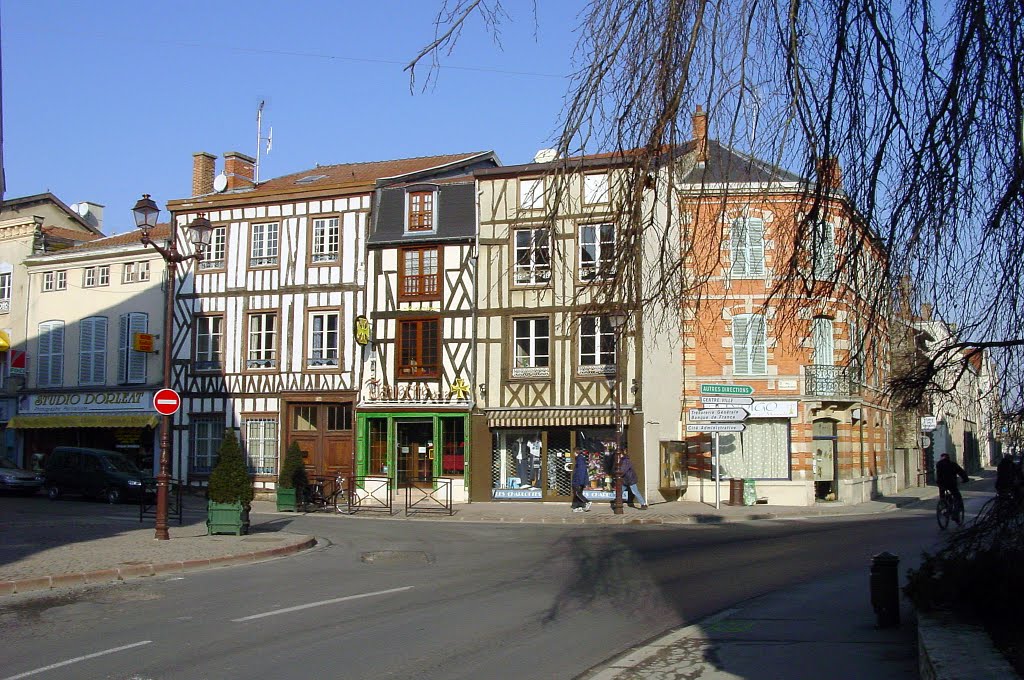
(426, 600)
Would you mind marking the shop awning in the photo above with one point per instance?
(552, 417)
(30, 422)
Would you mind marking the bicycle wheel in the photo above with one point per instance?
(942, 514)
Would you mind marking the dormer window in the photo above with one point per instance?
(420, 210)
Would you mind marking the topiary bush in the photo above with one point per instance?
(229, 480)
(293, 469)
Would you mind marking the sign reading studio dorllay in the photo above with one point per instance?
(87, 402)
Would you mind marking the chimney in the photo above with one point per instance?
(830, 175)
(700, 134)
(91, 212)
(239, 168)
(926, 311)
(202, 173)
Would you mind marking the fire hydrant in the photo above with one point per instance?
(885, 589)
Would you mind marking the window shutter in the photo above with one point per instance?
(755, 247)
(757, 345)
(122, 350)
(138, 323)
(99, 349)
(44, 355)
(56, 354)
(740, 346)
(739, 247)
(85, 349)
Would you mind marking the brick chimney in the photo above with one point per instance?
(830, 174)
(202, 173)
(700, 134)
(926, 312)
(239, 168)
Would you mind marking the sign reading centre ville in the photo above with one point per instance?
(740, 390)
(166, 402)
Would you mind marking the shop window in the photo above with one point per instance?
(261, 445)
(51, 354)
(131, 366)
(599, 444)
(453, 443)
(205, 433)
(378, 436)
(516, 463)
(761, 451)
(418, 349)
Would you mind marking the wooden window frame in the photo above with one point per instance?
(209, 263)
(275, 336)
(266, 260)
(421, 280)
(263, 417)
(308, 351)
(539, 273)
(601, 332)
(521, 194)
(532, 371)
(423, 217)
(206, 365)
(417, 370)
(602, 269)
(214, 420)
(607, 188)
(313, 255)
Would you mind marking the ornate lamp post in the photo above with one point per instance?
(200, 231)
(617, 320)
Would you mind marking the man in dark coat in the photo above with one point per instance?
(630, 481)
(946, 473)
(1007, 475)
(580, 480)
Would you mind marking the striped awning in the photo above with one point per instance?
(38, 422)
(552, 417)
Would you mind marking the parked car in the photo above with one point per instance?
(17, 479)
(93, 473)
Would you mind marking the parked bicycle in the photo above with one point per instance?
(323, 494)
(949, 507)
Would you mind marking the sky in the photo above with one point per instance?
(106, 101)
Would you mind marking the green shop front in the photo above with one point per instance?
(420, 448)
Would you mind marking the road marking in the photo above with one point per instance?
(77, 659)
(320, 604)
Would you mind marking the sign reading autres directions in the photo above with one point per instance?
(741, 390)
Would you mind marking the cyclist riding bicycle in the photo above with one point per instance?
(946, 473)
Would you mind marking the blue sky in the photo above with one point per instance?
(105, 101)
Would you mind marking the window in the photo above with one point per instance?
(419, 274)
(419, 349)
(142, 268)
(595, 188)
(378, 436)
(96, 276)
(339, 417)
(597, 346)
(323, 340)
(533, 257)
(55, 281)
(128, 273)
(747, 247)
(261, 445)
(421, 210)
(5, 292)
(213, 258)
(749, 345)
(326, 240)
(92, 351)
(264, 244)
(131, 367)
(597, 251)
(531, 194)
(823, 340)
(206, 433)
(823, 251)
(51, 354)
(209, 343)
(453, 441)
(262, 350)
(761, 451)
(532, 348)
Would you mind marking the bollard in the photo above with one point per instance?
(885, 589)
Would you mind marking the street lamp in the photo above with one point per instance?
(200, 231)
(617, 320)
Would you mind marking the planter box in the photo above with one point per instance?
(227, 518)
(286, 500)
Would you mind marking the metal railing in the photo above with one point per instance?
(368, 493)
(434, 497)
(147, 500)
(829, 381)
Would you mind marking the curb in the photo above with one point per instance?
(26, 585)
(948, 649)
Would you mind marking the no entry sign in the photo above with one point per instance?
(166, 402)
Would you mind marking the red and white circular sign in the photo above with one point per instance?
(166, 402)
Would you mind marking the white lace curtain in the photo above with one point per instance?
(761, 451)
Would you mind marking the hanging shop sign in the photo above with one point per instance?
(144, 342)
(362, 330)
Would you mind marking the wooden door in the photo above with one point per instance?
(324, 434)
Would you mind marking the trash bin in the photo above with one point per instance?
(735, 491)
(749, 492)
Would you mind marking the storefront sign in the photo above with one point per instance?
(86, 402)
(362, 330)
(772, 409)
(515, 494)
(144, 342)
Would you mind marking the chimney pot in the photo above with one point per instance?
(700, 133)
(830, 175)
(240, 170)
(202, 173)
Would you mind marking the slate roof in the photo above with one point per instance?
(726, 165)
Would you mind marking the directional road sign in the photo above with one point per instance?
(714, 427)
(741, 390)
(718, 402)
(718, 414)
(166, 402)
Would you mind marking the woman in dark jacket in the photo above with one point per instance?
(630, 481)
(580, 480)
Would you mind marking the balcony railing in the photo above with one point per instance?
(829, 381)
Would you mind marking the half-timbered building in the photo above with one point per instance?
(265, 323)
(413, 415)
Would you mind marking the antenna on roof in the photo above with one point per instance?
(259, 141)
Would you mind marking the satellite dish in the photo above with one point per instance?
(82, 209)
(545, 156)
(220, 182)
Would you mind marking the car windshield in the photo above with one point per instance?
(9, 464)
(120, 464)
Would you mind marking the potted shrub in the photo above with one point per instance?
(292, 482)
(230, 492)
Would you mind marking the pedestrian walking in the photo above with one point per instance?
(631, 483)
(580, 480)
